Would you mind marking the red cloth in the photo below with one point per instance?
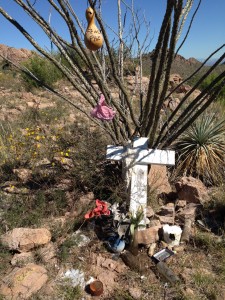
(101, 209)
(102, 111)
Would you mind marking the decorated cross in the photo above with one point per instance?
(136, 157)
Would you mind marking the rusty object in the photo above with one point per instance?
(96, 288)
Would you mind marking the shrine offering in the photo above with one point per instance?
(93, 38)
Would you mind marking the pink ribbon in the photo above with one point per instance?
(102, 111)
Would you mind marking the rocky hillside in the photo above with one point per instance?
(16, 55)
(181, 65)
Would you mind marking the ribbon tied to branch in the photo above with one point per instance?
(102, 111)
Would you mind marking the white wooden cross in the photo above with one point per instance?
(136, 157)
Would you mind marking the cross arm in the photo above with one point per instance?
(142, 156)
(115, 152)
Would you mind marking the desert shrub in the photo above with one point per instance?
(28, 210)
(5, 79)
(20, 148)
(209, 80)
(74, 57)
(205, 284)
(10, 79)
(91, 171)
(43, 69)
(25, 145)
(4, 257)
(206, 82)
(214, 210)
(65, 249)
(201, 149)
(68, 292)
(28, 139)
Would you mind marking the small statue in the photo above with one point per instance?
(93, 38)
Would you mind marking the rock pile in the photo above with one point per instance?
(190, 194)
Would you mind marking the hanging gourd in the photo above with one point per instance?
(93, 38)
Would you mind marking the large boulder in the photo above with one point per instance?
(175, 79)
(24, 239)
(21, 283)
(158, 180)
(192, 190)
(23, 174)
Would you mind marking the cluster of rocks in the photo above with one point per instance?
(10, 110)
(26, 277)
(190, 195)
(175, 82)
(181, 90)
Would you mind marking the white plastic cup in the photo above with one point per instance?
(172, 234)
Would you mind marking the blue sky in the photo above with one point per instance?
(208, 30)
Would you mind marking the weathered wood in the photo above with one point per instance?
(186, 230)
(142, 156)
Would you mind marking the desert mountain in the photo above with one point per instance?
(182, 66)
(16, 55)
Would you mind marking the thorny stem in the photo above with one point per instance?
(127, 121)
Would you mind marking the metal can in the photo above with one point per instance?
(96, 288)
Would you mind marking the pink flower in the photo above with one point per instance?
(102, 111)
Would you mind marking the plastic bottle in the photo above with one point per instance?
(167, 273)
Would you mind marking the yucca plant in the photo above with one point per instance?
(201, 149)
(135, 223)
